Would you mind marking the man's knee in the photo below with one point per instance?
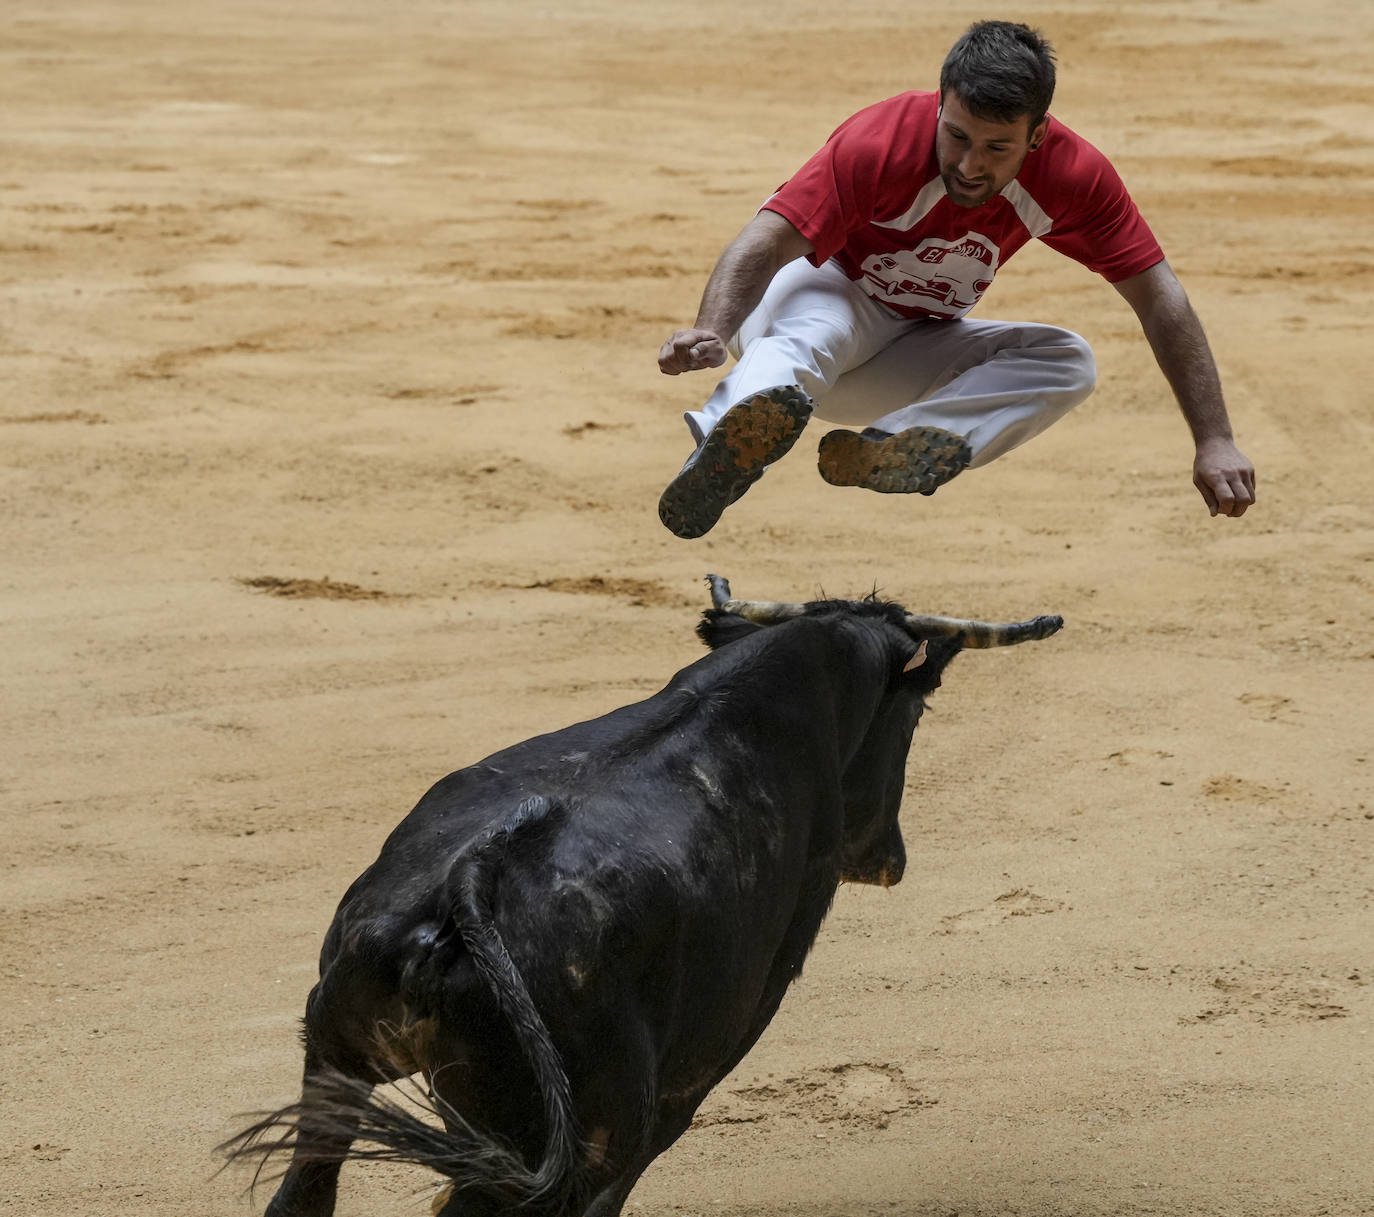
(1082, 361)
(1074, 358)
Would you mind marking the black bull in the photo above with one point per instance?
(575, 939)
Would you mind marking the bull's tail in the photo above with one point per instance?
(471, 891)
(339, 1116)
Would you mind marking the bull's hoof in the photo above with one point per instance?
(750, 436)
(916, 461)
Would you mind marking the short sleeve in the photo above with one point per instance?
(835, 192)
(1102, 228)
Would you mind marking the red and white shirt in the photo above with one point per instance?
(873, 200)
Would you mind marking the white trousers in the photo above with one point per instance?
(996, 383)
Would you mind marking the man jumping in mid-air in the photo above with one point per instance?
(847, 294)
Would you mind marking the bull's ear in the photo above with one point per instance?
(924, 669)
(917, 659)
(717, 629)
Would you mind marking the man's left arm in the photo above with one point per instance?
(1221, 472)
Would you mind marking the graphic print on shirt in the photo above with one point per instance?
(947, 277)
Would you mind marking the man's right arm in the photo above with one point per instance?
(746, 268)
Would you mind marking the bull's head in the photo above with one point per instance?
(914, 650)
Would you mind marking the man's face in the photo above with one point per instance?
(977, 158)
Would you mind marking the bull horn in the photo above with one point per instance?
(980, 634)
(760, 612)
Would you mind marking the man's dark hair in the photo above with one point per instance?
(1001, 70)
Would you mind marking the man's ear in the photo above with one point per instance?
(1037, 136)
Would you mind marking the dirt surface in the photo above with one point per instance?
(329, 446)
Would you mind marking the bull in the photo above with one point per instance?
(572, 941)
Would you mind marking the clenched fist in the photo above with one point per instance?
(690, 351)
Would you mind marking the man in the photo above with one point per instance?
(848, 294)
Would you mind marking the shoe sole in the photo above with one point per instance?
(751, 435)
(917, 461)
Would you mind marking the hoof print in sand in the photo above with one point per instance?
(1019, 902)
(862, 1094)
(1270, 998)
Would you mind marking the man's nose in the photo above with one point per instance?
(971, 166)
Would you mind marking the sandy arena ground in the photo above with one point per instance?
(330, 440)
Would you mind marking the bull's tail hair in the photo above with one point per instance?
(341, 1116)
(339, 1108)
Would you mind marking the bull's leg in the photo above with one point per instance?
(311, 1182)
(309, 1190)
(611, 1199)
(669, 1123)
(606, 1203)
(450, 1204)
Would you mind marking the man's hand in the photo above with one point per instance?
(742, 273)
(690, 351)
(1224, 478)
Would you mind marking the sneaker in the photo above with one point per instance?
(917, 461)
(750, 436)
